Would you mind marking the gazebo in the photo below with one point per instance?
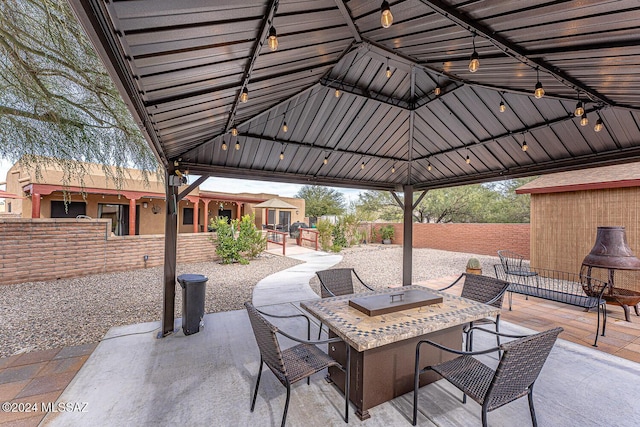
(444, 93)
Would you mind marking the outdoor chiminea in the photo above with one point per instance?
(611, 252)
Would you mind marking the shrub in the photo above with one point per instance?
(241, 246)
(324, 229)
(339, 239)
(387, 232)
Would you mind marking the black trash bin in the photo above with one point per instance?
(194, 287)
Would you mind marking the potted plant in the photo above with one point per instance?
(473, 266)
(386, 234)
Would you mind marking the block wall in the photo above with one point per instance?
(50, 249)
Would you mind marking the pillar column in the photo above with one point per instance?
(196, 205)
(407, 244)
(35, 205)
(132, 217)
(238, 211)
(205, 214)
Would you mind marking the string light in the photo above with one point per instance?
(362, 166)
(429, 167)
(584, 120)
(273, 39)
(285, 128)
(326, 160)
(237, 145)
(224, 145)
(468, 160)
(599, 125)
(388, 72)
(337, 93)
(244, 96)
(234, 131)
(579, 108)
(503, 107)
(393, 169)
(525, 147)
(437, 90)
(539, 92)
(474, 63)
(386, 18)
(282, 155)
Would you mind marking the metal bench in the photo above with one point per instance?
(559, 286)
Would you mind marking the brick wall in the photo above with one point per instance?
(49, 249)
(481, 239)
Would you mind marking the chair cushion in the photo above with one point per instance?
(468, 374)
(304, 360)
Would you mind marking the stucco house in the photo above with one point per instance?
(138, 206)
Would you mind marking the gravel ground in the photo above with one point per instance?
(381, 265)
(68, 312)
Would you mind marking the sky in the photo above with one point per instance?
(234, 185)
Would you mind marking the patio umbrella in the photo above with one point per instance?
(275, 203)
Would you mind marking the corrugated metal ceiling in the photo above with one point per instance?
(181, 67)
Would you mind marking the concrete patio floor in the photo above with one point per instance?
(206, 379)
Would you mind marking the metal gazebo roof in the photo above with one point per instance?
(182, 66)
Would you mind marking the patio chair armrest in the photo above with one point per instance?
(327, 289)
(451, 350)
(497, 297)
(288, 316)
(362, 281)
(502, 334)
(454, 283)
(308, 341)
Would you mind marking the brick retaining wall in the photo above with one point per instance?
(49, 249)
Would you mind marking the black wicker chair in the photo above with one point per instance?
(517, 371)
(484, 289)
(295, 363)
(338, 281)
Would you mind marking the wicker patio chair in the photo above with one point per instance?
(517, 371)
(338, 281)
(484, 289)
(295, 363)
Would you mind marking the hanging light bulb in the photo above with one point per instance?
(579, 109)
(244, 96)
(224, 146)
(474, 63)
(337, 93)
(285, 128)
(273, 39)
(393, 169)
(468, 160)
(503, 107)
(525, 147)
(429, 167)
(237, 145)
(362, 166)
(584, 120)
(599, 125)
(234, 131)
(539, 92)
(282, 155)
(388, 72)
(386, 18)
(326, 160)
(437, 91)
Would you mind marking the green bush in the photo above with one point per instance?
(324, 229)
(339, 239)
(387, 232)
(237, 246)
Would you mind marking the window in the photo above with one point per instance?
(71, 210)
(9, 207)
(187, 216)
(271, 216)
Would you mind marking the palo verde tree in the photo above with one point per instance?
(56, 98)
